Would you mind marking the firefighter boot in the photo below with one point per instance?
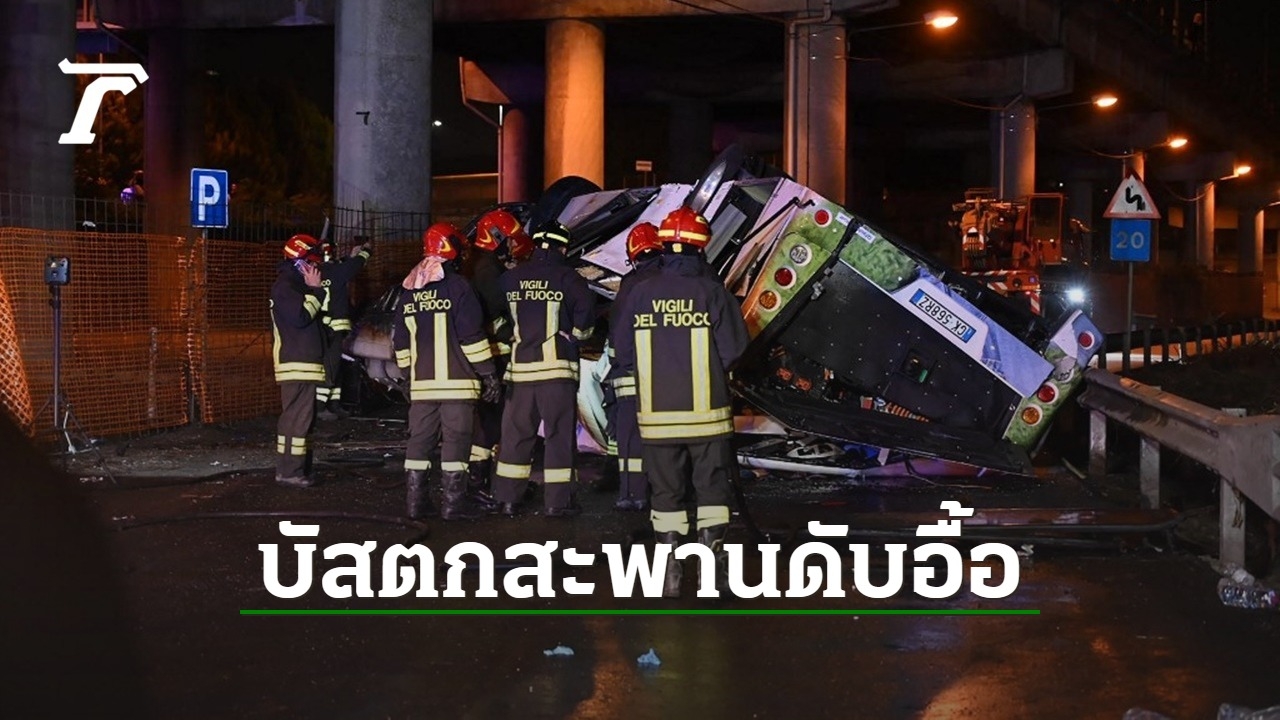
(675, 568)
(713, 537)
(478, 485)
(456, 505)
(416, 495)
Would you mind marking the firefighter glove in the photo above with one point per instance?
(491, 389)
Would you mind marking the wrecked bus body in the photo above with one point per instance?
(856, 338)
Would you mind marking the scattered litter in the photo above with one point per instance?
(649, 659)
(215, 463)
(1025, 551)
(559, 650)
(91, 479)
(1227, 711)
(122, 518)
(1141, 714)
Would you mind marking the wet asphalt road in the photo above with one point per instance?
(1130, 621)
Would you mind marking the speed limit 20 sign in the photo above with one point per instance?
(1131, 240)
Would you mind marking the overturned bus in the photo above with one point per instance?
(858, 341)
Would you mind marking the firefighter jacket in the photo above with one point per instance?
(553, 309)
(297, 347)
(685, 331)
(440, 339)
(485, 272)
(624, 384)
(335, 278)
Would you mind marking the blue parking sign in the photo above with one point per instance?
(210, 191)
(1131, 240)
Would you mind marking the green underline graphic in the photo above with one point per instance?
(640, 612)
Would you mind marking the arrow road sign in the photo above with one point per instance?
(1132, 202)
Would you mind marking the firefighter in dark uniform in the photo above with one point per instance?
(552, 309)
(298, 356)
(496, 233)
(644, 252)
(335, 277)
(440, 340)
(685, 332)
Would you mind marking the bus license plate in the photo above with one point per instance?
(942, 316)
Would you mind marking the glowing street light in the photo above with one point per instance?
(1176, 142)
(936, 19)
(1105, 100)
(940, 19)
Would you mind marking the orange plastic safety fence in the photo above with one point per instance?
(231, 337)
(147, 324)
(122, 332)
(15, 396)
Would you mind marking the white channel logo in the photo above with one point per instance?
(118, 76)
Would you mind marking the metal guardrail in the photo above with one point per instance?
(1243, 451)
(1175, 344)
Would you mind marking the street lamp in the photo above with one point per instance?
(1135, 161)
(936, 19)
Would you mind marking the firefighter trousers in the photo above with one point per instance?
(633, 484)
(332, 387)
(671, 468)
(297, 415)
(443, 424)
(555, 403)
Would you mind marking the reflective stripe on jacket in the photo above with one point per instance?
(297, 350)
(552, 309)
(335, 278)
(440, 338)
(684, 332)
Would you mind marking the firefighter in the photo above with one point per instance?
(685, 331)
(298, 355)
(644, 252)
(335, 277)
(553, 310)
(519, 249)
(440, 340)
(496, 233)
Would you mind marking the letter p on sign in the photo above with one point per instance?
(210, 190)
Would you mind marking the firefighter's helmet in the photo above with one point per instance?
(552, 233)
(642, 240)
(519, 246)
(302, 247)
(684, 227)
(496, 228)
(442, 240)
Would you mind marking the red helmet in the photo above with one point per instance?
(494, 227)
(302, 247)
(520, 246)
(642, 239)
(442, 240)
(685, 227)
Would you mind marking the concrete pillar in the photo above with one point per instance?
(38, 107)
(513, 185)
(1204, 224)
(1136, 163)
(815, 122)
(574, 134)
(382, 105)
(173, 127)
(1014, 148)
(689, 140)
(1251, 231)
